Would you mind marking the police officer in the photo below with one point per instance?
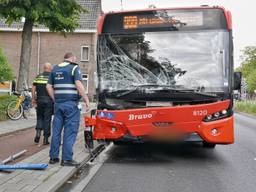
(43, 103)
(65, 87)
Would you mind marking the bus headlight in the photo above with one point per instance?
(215, 116)
(224, 112)
(209, 117)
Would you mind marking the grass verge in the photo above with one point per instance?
(4, 100)
(246, 106)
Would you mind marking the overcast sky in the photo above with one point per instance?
(243, 11)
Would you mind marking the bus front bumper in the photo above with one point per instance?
(218, 131)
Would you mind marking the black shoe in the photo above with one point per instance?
(46, 142)
(54, 160)
(69, 163)
(37, 137)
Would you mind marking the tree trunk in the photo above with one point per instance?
(25, 55)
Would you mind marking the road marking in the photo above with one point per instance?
(100, 161)
(255, 158)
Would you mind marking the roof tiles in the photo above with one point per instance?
(87, 21)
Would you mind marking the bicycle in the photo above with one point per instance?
(20, 107)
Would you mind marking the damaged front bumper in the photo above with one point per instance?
(164, 122)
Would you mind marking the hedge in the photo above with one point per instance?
(246, 106)
(4, 100)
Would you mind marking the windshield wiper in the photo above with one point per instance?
(140, 86)
(182, 90)
(165, 88)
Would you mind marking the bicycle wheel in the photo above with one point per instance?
(13, 112)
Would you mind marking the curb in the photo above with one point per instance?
(15, 131)
(81, 185)
(57, 180)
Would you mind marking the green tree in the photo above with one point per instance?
(248, 67)
(58, 15)
(251, 81)
(6, 73)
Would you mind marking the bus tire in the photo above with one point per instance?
(209, 145)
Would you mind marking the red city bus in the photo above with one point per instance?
(165, 74)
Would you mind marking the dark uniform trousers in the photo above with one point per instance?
(44, 113)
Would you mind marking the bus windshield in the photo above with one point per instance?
(196, 60)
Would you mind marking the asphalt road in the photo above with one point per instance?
(182, 168)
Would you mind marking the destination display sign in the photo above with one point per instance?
(164, 20)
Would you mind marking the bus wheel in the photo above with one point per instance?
(208, 145)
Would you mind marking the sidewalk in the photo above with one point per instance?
(43, 181)
(11, 126)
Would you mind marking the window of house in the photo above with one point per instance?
(85, 79)
(85, 52)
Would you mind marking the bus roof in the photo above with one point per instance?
(168, 8)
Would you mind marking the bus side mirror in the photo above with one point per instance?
(237, 80)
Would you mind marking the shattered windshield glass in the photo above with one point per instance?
(192, 60)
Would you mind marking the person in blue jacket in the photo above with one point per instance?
(65, 88)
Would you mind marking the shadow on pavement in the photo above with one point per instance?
(162, 153)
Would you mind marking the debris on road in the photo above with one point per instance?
(13, 157)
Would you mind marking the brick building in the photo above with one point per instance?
(50, 47)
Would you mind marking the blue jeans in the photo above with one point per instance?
(67, 116)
